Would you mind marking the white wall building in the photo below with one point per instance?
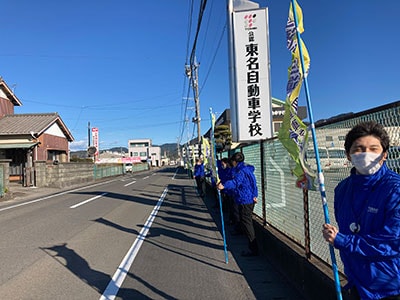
(144, 149)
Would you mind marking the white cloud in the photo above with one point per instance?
(78, 145)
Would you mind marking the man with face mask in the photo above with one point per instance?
(367, 210)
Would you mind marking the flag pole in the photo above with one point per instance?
(214, 159)
(321, 179)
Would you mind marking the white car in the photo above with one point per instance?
(128, 167)
(323, 157)
(338, 158)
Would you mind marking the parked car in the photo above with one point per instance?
(338, 158)
(393, 159)
(323, 158)
(128, 167)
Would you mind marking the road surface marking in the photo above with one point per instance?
(130, 183)
(176, 172)
(54, 195)
(88, 200)
(114, 285)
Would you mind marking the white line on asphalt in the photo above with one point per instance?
(54, 195)
(88, 200)
(114, 285)
(176, 172)
(130, 183)
(146, 177)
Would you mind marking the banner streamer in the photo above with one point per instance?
(293, 134)
(215, 173)
(206, 149)
(297, 133)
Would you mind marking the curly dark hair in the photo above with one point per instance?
(237, 157)
(226, 160)
(364, 129)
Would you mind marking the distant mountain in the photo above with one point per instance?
(118, 149)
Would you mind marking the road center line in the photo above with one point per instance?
(130, 183)
(88, 200)
(114, 285)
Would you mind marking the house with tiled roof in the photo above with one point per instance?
(26, 138)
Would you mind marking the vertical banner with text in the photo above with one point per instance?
(95, 139)
(253, 118)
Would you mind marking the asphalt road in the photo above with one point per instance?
(140, 236)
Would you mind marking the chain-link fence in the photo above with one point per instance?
(298, 214)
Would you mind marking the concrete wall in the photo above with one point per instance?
(62, 174)
(5, 169)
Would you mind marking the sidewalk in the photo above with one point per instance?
(263, 278)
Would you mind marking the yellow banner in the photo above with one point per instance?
(293, 133)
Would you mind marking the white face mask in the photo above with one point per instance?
(366, 163)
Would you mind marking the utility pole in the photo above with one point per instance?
(197, 120)
(178, 149)
(192, 73)
(88, 138)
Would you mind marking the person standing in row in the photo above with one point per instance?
(243, 185)
(199, 176)
(225, 174)
(367, 210)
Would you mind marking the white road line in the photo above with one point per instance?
(176, 172)
(146, 177)
(114, 285)
(130, 183)
(88, 200)
(54, 195)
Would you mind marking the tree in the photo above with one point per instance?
(223, 138)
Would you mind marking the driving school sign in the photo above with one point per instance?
(252, 119)
(95, 139)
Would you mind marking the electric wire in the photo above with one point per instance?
(213, 59)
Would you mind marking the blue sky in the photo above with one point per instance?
(120, 64)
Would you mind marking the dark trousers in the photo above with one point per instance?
(235, 212)
(246, 220)
(201, 185)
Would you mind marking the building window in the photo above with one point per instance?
(136, 145)
(56, 155)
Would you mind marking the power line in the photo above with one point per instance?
(213, 59)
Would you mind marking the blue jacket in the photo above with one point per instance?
(243, 184)
(224, 174)
(199, 170)
(371, 257)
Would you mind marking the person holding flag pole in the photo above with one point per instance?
(293, 133)
(215, 171)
